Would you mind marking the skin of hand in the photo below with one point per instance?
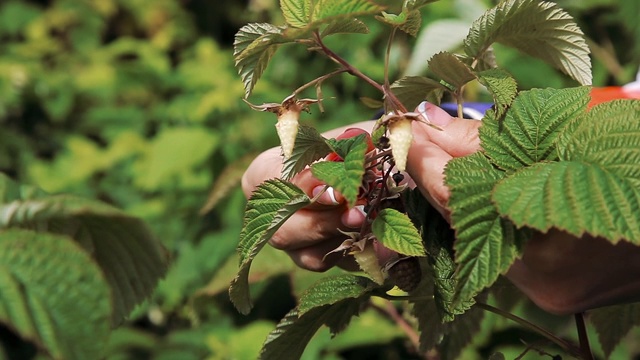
(562, 274)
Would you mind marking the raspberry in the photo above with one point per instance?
(406, 273)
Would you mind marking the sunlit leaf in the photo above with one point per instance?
(502, 86)
(613, 323)
(297, 13)
(412, 90)
(309, 147)
(451, 69)
(396, 232)
(529, 131)
(131, 258)
(345, 26)
(329, 10)
(270, 205)
(481, 233)
(408, 21)
(331, 290)
(539, 29)
(54, 294)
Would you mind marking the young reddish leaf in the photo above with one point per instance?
(396, 232)
(270, 205)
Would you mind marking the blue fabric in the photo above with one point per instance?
(471, 110)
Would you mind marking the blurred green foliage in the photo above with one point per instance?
(137, 103)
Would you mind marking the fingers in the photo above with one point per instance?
(432, 149)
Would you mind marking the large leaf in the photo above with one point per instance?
(612, 324)
(270, 205)
(254, 46)
(294, 331)
(608, 135)
(325, 11)
(529, 131)
(309, 147)
(345, 26)
(486, 245)
(576, 197)
(396, 232)
(408, 20)
(53, 294)
(346, 176)
(538, 28)
(131, 258)
(331, 290)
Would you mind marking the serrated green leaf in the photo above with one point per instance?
(131, 258)
(460, 332)
(309, 147)
(486, 245)
(346, 176)
(345, 26)
(325, 11)
(270, 205)
(396, 232)
(502, 86)
(331, 290)
(253, 47)
(529, 131)
(451, 69)
(613, 323)
(297, 13)
(412, 90)
(408, 21)
(537, 28)
(294, 331)
(53, 294)
(608, 135)
(416, 4)
(576, 197)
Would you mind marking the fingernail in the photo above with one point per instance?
(431, 114)
(360, 208)
(329, 196)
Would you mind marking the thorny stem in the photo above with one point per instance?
(391, 311)
(566, 346)
(357, 73)
(583, 338)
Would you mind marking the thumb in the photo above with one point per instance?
(458, 137)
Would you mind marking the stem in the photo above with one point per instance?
(585, 348)
(357, 73)
(387, 58)
(566, 346)
(391, 311)
(318, 80)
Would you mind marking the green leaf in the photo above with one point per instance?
(608, 135)
(408, 21)
(529, 131)
(451, 69)
(486, 245)
(294, 331)
(539, 29)
(396, 232)
(346, 176)
(576, 197)
(345, 26)
(613, 323)
(460, 333)
(325, 11)
(270, 205)
(297, 13)
(53, 294)
(502, 86)
(416, 4)
(331, 290)
(309, 147)
(131, 258)
(412, 90)
(253, 48)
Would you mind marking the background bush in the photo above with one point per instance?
(137, 103)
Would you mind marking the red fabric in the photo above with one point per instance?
(604, 94)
